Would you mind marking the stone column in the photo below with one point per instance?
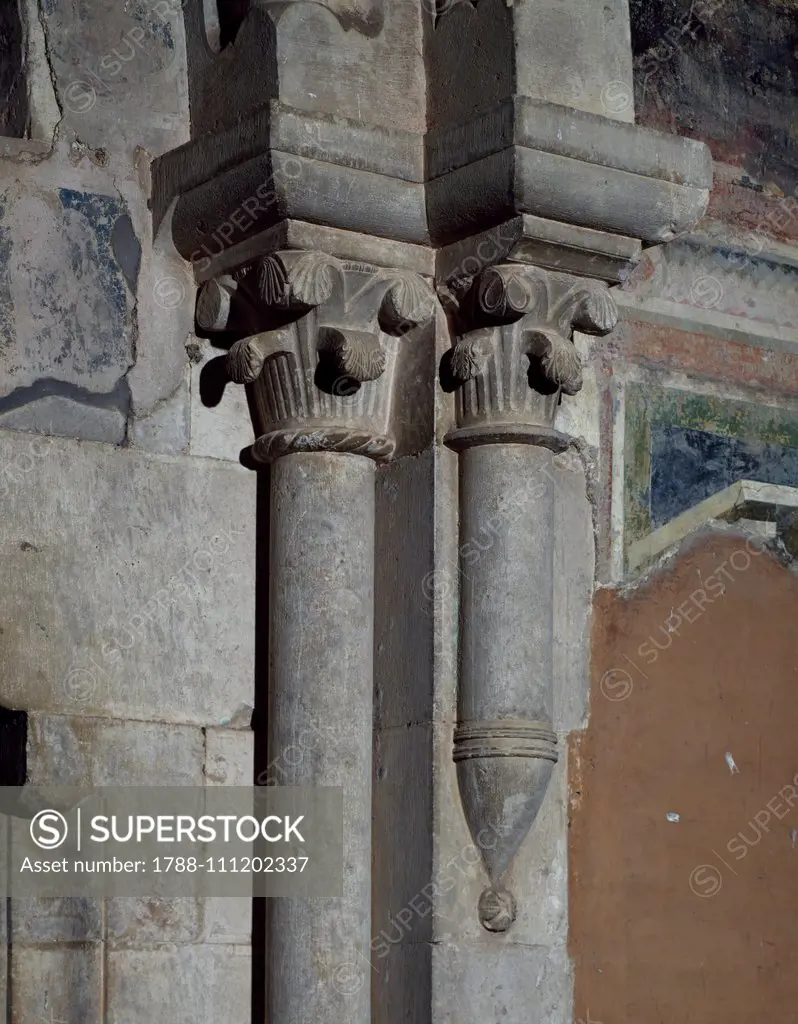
(444, 138)
(514, 360)
(322, 382)
(320, 678)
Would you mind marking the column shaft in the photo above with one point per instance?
(504, 745)
(321, 668)
(506, 554)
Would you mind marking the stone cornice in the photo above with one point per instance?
(319, 344)
(524, 158)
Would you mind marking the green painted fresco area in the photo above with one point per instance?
(648, 408)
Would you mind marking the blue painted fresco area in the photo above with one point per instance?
(69, 265)
(102, 213)
(688, 466)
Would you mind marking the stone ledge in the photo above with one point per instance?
(744, 500)
(525, 156)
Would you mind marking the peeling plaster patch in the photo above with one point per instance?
(724, 72)
(730, 762)
(69, 264)
(102, 214)
(681, 446)
(156, 28)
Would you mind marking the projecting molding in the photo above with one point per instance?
(587, 188)
(745, 499)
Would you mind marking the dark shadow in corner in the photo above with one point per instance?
(14, 110)
(13, 772)
(260, 719)
(232, 15)
(213, 380)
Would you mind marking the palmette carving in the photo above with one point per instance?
(353, 354)
(322, 338)
(408, 302)
(295, 279)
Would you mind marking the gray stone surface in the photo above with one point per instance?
(187, 984)
(223, 429)
(167, 428)
(136, 923)
(574, 562)
(83, 751)
(321, 650)
(506, 691)
(336, 58)
(60, 919)
(57, 984)
(571, 52)
(94, 316)
(119, 71)
(130, 583)
(93, 420)
(229, 757)
(538, 876)
(511, 984)
(227, 920)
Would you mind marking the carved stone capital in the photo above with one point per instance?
(320, 345)
(515, 355)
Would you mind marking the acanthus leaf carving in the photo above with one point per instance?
(320, 344)
(408, 302)
(514, 311)
(596, 312)
(354, 354)
(559, 360)
(470, 355)
(246, 358)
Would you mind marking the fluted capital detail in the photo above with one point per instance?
(515, 355)
(318, 343)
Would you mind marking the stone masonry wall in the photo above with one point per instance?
(127, 619)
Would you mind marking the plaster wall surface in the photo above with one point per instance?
(682, 805)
